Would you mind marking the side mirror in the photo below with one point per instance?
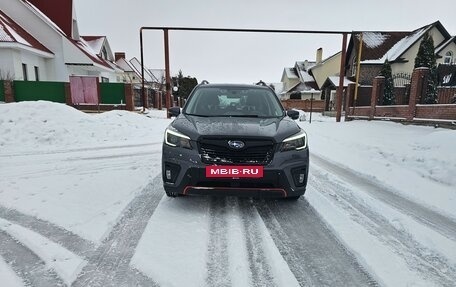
(293, 114)
(174, 111)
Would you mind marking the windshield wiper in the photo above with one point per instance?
(205, 116)
(243, 116)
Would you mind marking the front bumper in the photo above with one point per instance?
(184, 173)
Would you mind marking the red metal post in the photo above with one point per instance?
(143, 91)
(168, 74)
(340, 89)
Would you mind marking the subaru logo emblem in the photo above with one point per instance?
(236, 144)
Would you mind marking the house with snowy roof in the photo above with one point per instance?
(40, 40)
(399, 48)
(298, 83)
(158, 77)
(130, 74)
(101, 47)
(154, 78)
(17, 44)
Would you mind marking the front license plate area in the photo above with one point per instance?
(220, 171)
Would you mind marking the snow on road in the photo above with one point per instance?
(380, 205)
(66, 264)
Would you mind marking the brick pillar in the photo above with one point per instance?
(146, 98)
(349, 100)
(9, 92)
(417, 87)
(156, 99)
(129, 97)
(68, 100)
(377, 92)
(160, 102)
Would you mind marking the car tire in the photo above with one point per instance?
(293, 198)
(172, 194)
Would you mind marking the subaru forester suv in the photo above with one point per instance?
(235, 140)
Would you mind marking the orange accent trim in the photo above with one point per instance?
(283, 191)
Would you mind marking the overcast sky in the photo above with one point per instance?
(248, 58)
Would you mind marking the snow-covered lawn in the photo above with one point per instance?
(417, 161)
(80, 171)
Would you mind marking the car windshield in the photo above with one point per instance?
(234, 102)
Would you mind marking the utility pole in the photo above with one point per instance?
(340, 88)
(168, 74)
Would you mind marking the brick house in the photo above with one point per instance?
(298, 83)
(399, 48)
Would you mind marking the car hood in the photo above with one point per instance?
(276, 128)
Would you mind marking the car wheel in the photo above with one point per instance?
(172, 194)
(293, 198)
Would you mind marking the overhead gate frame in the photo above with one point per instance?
(168, 75)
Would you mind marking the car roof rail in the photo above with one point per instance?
(261, 83)
(204, 82)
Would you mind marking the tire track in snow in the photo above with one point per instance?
(420, 213)
(430, 265)
(30, 268)
(109, 266)
(260, 269)
(74, 243)
(313, 253)
(82, 149)
(218, 254)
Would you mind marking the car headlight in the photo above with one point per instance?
(176, 139)
(295, 142)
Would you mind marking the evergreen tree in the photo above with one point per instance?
(185, 85)
(426, 58)
(388, 92)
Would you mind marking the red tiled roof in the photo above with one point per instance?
(14, 33)
(59, 11)
(92, 38)
(83, 46)
(62, 27)
(95, 42)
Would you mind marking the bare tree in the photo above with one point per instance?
(6, 75)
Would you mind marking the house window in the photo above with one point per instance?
(448, 58)
(37, 73)
(104, 53)
(104, 80)
(24, 72)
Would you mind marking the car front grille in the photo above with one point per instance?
(217, 151)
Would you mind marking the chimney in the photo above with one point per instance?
(119, 55)
(319, 55)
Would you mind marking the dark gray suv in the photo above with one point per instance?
(235, 140)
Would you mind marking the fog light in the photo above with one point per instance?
(299, 176)
(170, 172)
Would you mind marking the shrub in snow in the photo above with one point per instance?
(388, 92)
(426, 58)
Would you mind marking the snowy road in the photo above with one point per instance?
(379, 212)
(246, 242)
(249, 243)
(94, 213)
